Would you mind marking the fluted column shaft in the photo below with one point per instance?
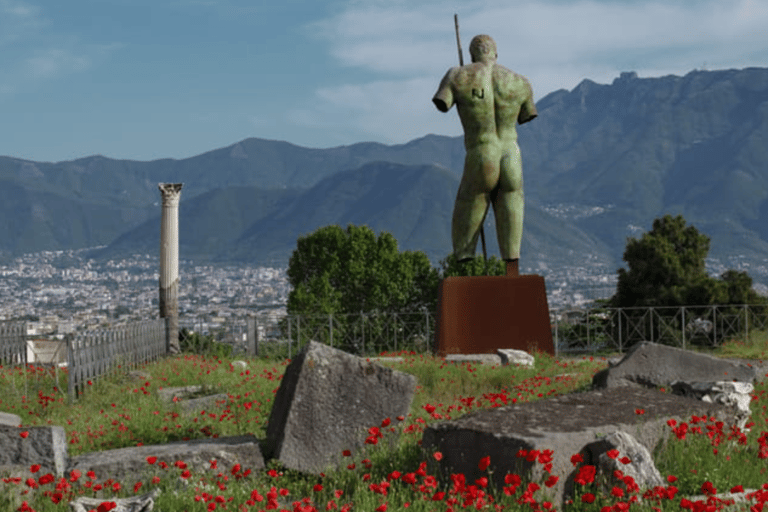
(169, 263)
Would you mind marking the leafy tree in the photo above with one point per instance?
(345, 272)
(335, 270)
(666, 268)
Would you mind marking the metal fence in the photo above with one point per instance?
(13, 342)
(363, 333)
(617, 329)
(93, 354)
(573, 330)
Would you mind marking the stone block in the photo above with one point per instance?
(565, 424)
(480, 314)
(650, 364)
(132, 462)
(22, 447)
(489, 359)
(732, 394)
(9, 419)
(327, 401)
(141, 503)
(519, 357)
(640, 466)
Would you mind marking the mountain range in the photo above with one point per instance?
(600, 163)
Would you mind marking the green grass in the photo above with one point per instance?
(120, 412)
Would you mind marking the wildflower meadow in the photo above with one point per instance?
(702, 461)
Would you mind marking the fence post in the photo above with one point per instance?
(746, 323)
(330, 329)
(362, 327)
(289, 336)
(684, 325)
(426, 331)
(252, 337)
(651, 311)
(395, 332)
(714, 324)
(621, 342)
(69, 338)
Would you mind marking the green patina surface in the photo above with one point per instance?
(490, 100)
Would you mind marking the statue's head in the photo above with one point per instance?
(483, 49)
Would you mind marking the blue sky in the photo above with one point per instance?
(142, 80)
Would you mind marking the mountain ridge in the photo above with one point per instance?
(631, 151)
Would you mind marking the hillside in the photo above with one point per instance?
(600, 162)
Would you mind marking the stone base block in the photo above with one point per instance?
(481, 314)
(131, 463)
(22, 447)
(652, 364)
(326, 403)
(567, 425)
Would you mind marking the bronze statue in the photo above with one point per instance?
(490, 100)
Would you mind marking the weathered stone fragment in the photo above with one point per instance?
(327, 401)
(9, 419)
(142, 503)
(489, 359)
(565, 424)
(197, 454)
(732, 394)
(512, 356)
(652, 365)
(22, 447)
(640, 466)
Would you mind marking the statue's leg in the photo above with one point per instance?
(480, 177)
(508, 204)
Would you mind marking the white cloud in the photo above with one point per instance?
(555, 43)
(18, 20)
(51, 62)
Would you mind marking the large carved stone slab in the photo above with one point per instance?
(650, 364)
(566, 424)
(326, 402)
(197, 454)
(22, 447)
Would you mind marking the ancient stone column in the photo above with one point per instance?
(169, 263)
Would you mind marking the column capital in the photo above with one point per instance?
(171, 193)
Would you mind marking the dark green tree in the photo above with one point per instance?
(666, 268)
(336, 274)
(335, 270)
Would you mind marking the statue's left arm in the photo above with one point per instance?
(443, 98)
(528, 108)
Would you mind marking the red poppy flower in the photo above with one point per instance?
(484, 463)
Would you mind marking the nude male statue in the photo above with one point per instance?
(490, 100)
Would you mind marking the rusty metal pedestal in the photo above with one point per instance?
(480, 314)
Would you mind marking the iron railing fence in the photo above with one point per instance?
(94, 354)
(616, 329)
(13, 342)
(573, 330)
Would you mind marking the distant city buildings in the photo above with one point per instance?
(61, 292)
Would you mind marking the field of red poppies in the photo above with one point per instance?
(703, 461)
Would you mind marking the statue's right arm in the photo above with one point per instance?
(443, 98)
